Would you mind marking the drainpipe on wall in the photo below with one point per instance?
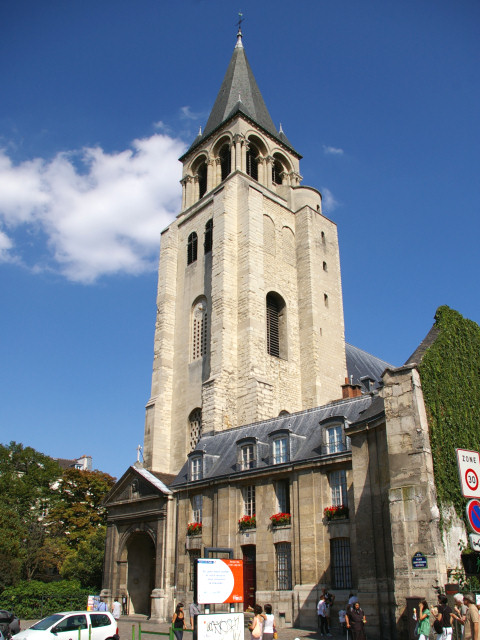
(175, 571)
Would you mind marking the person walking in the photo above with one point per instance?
(269, 627)
(178, 621)
(356, 621)
(194, 612)
(444, 616)
(322, 616)
(458, 614)
(423, 620)
(471, 618)
(256, 626)
(116, 609)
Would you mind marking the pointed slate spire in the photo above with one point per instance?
(240, 93)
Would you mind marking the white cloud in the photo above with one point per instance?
(101, 213)
(187, 114)
(332, 151)
(329, 202)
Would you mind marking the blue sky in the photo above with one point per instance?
(99, 99)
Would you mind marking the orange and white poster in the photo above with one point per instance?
(219, 580)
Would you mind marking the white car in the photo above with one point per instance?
(73, 625)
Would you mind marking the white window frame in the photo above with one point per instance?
(197, 507)
(338, 485)
(283, 500)
(247, 455)
(334, 438)
(249, 500)
(196, 468)
(280, 450)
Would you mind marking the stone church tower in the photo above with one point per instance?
(249, 307)
(250, 317)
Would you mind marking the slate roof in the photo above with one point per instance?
(239, 93)
(152, 478)
(417, 355)
(306, 438)
(361, 364)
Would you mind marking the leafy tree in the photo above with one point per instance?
(27, 480)
(79, 511)
(85, 563)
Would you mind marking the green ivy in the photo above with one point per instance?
(450, 375)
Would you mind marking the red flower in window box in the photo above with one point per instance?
(280, 519)
(194, 529)
(247, 522)
(336, 512)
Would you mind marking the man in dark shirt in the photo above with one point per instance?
(444, 617)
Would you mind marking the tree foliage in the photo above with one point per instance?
(31, 599)
(48, 517)
(450, 374)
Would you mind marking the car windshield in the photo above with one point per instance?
(46, 623)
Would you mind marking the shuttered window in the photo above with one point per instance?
(273, 338)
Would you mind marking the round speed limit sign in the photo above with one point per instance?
(471, 479)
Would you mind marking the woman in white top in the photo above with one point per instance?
(269, 625)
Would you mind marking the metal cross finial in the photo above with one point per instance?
(240, 20)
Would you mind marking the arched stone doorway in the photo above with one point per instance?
(140, 572)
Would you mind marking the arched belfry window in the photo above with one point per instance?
(202, 179)
(192, 244)
(195, 422)
(276, 325)
(252, 161)
(225, 161)
(277, 172)
(199, 329)
(207, 245)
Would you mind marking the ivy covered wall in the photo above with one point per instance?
(450, 375)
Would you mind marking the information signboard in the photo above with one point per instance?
(219, 580)
(469, 472)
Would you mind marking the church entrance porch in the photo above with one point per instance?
(140, 572)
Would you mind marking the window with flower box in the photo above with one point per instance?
(338, 486)
(197, 505)
(282, 493)
(249, 500)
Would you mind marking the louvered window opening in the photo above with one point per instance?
(192, 248)
(225, 161)
(252, 164)
(273, 338)
(195, 428)
(284, 566)
(341, 563)
(208, 236)
(199, 342)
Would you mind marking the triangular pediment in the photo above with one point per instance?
(138, 483)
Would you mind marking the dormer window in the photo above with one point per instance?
(334, 439)
(247, 457)
(246, 454)
(280, 450)
(196, 468)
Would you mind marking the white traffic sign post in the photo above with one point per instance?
(469, 472)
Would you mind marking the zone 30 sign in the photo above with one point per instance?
(469, 472)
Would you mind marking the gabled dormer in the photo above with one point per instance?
(239, 136)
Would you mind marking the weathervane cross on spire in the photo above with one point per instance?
(240, 20)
